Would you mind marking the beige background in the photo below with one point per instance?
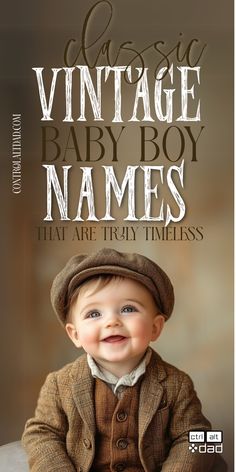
(199, 337)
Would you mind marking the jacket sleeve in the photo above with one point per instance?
(44, 437)
(186, 415)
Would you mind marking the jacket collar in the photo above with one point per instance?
(82, 391)
(151, 392)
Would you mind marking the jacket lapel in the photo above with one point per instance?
(82, 390)
(150, 393)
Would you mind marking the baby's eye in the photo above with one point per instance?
(128, 309)
(93, 314)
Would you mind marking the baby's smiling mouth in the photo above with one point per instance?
(114, 339)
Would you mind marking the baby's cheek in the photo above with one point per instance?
(88, 336)
(141, 329)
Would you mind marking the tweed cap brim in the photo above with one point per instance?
(108, 261)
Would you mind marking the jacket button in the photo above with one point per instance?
(122, 443)
(121, 415)
(119, 467)
(87, 443)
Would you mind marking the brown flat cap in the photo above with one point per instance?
(108, 261)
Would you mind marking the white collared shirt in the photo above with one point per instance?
(117, 384)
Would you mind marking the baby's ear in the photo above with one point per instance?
(158, 324)
(73, 334)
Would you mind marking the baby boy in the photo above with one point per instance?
(119, 407)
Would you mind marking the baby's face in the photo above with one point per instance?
(115, 324)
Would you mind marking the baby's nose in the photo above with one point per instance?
(113, 319)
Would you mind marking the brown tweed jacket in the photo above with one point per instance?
(61, 436)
